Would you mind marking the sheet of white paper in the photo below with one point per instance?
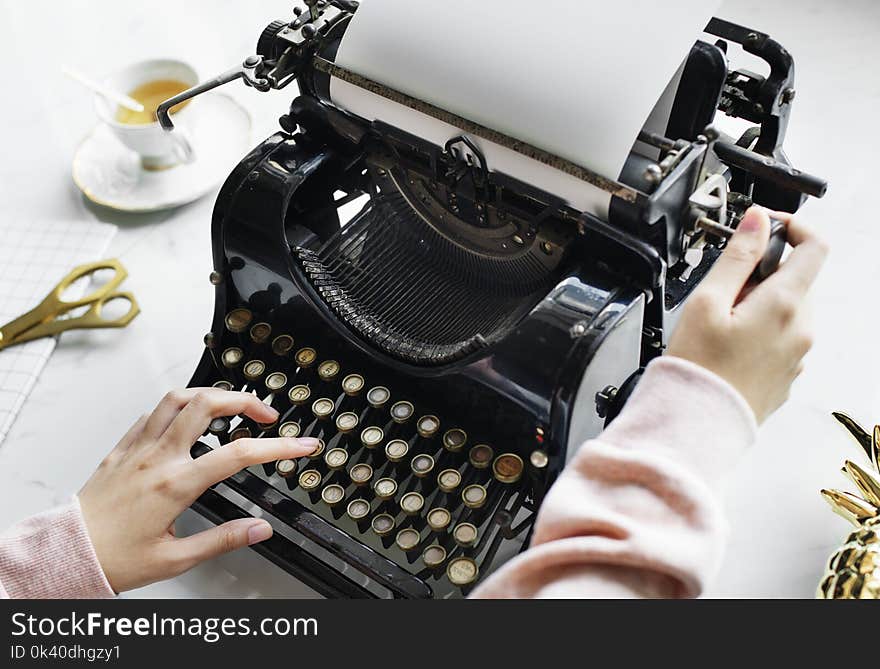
(577, 78)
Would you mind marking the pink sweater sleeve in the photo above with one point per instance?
(635, 512)
(50, 556)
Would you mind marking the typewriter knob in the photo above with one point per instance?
(267, 44)
(773, 254)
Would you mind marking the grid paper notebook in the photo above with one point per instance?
(34, 257)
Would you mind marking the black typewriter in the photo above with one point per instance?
(448, 332)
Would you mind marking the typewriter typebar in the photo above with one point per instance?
(451, 334)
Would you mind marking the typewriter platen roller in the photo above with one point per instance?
(449, 331)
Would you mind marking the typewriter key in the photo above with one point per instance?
(439, 519)
(383, 524)
(396, 450)
(260, 333)
(465, 535)
(267, 426)
(323, 408)
(372, 436)
(434, 556)
(218, 426)
(254, 369)
(282, 345)
(305, 357)
(310, 480)
(427, 426)
(454, 440)
(422, 465)
(480, 456)
(539, 459)
(378, 396)
(361, 474)
(385, 488)
(412, 503)
(474, 496)
(402, 412)
(507, 468)
(407, 539)
(328, 370)
(462, 571)
(336, 458)
(299, 395)
(346, 422)
(285, 468)
(223, 385)
(449, 480)
(276, 381)
(237, 320)
(240, 433)
(289, 429)
(352, 384)
(318, 452)
(333, 494)
(358, 509)
(232, 357)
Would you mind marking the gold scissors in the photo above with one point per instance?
(46, 319)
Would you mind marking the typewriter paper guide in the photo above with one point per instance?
(577, 79)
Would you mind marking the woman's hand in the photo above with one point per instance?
(131, 501)
(753, 337)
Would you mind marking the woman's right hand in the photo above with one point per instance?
(753, 337)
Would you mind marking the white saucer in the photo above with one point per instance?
(111, 175)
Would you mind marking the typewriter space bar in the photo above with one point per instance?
(313, 527)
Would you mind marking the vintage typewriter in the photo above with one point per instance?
(451, 333)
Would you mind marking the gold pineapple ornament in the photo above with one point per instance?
(854, 570)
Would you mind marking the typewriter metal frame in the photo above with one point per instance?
(610, 310)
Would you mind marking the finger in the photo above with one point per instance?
(167, 410)
(188, 552)
(221, 463)
(192, 420)
(743, 252)
(133, 433)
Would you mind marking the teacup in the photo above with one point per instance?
(150, 80)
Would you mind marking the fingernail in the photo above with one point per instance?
(259, 532)
(309, 442)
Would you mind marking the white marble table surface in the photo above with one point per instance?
(97, 383)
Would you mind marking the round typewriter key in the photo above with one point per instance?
(323, 408)
(538, 459)
(385, 488)
(289, 429)
(336, 458)
(267, 426)
(422, 465)
(372, 436)
(223, 385)
(237, 320)
(480, 456)
(328, 370)
(299, 395)
(383, 524)
(462, 571)
(474, 496)
(285, 468)
(305, 357)
(454, 440)
(240, 433)
(346, 422)
(427, 426)
(276, 381)
(449, 480)
(254, 369)
(439, 519)
(378, 396)
(333, 494)
(402, 412)
(407, 539)
(218, 425)
(310, 480)
(318, 452)
(396, 450)
(361, 474)
(412, 503)
(507, 468)
(465, 535)
(352, 384)
(358, 509)
(282, 344)
(260, 333)
(434, 556)
(231, 357)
